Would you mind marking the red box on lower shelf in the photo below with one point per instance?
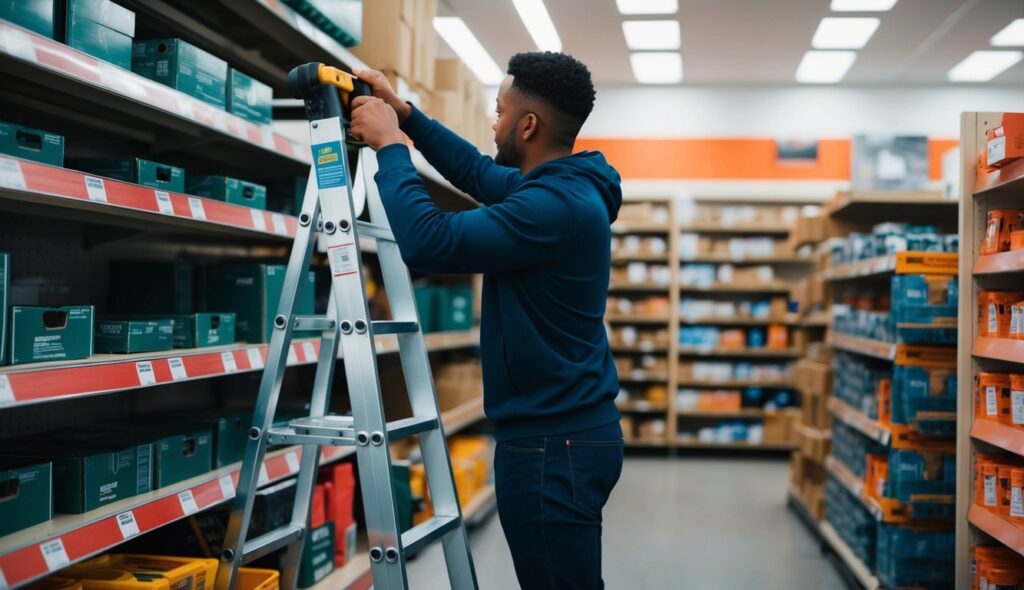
(339, 483)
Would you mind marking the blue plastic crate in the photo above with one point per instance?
(919, 389)
(908, 557)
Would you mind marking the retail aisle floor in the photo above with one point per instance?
(679, 524)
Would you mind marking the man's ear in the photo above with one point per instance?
(529, 126)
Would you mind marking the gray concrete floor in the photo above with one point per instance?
(678, 524)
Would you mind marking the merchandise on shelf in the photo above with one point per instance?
(657, 307)
(650, 429)
(145, 172)
(645, 397)
(152, 287)
(851, 521)
(890, 238)
(919, 477)
(925, 396)
(689, 212)
(640, 272)
(780, 427)
(708, 401)
(851, 448)
(102, 29)
(998, 479)
(1005, 142)
(39, 16)
(340, 488)
(644, 367)
(857, 381)
(181, 65)
(693, 246)
(725, 433)
(706, 276)
(705, 337)
(180, 451)
(317, 559)
(155, 572)
(199, 330)
(1001, 225)
(726, 371)
(249, 98)
(5, 294)
(814, 444)
(229, 190)
(40, 334)
(924, 299)
(649, 245)
(638, 337)
(913, 557)
(695, 310)
(129, 336)
(996, 566)
(457, 383)
(341, 19)
(444, 308)
(31, 144)
(252, 293)
(645, 212)
(995, 313)
(26, 492)
(993, 396)
(229, 430)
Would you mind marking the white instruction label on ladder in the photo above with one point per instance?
(96, 189)
(227, 486)
(145, 371)
(188, 502)
(196, 207)
(163, 202)
(177, 368)
(10, 174)
(342, 258)
(54, 554)
(6, 391)
(228, 358)
(309, 351)
(255, 358)
(126, 522)
(292, 459)
(258, 221)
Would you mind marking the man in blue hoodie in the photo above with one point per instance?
(542, 242)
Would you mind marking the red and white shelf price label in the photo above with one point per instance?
(255, 358)
(264, 477)
(126, 522)
(227, 486)
(309, 351)
(185, 107)
(6, 391)
(163, 202)
(177, 368)
(291, 458)
(3, 581)
(258, 220)
(188, 502)
(280, 227)
(11, 175)
(293, 358)
(54, 554)
(267, 137)
(195, 206)
(18, 44)
(95, 188)
(228, 358)
(145, 371)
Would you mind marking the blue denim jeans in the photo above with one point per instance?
(550, 492)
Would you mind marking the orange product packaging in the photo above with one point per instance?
(1017, 400)
(720, 401)
(1005, 143)
(995, 312)
(1003, 488)
(778, 336)
(732, 339)
(656, 394)
(1001, 223)
(1000, 575)
(992, 397)
(1017, 240)
(1015, 321)
(884, 396)
(990, 486)
(1017, 494)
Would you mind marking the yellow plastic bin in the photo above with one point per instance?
(257, 579)
(151, 572)
(55, 583)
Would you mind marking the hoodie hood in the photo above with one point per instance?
(590, 167)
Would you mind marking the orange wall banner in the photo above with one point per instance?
(731, 159)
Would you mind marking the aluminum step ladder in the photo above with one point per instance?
(328, 209)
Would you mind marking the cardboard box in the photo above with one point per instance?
(815, 444)
(450, 74)
(199, 330)
(145, 172)
(5, 296)
(152, 287)
(317, 555)
(778, 426)
(253, 292)
(249, 98)
(38, 16)
(229, 429)
(424, 44)
(31, 144)
(813, 378)
(387, 42)
(448, 110)
(40, 334)
(1005, 143)
(229, 190)
(102, 29)
(183, 66)
(180, 452)
(26, 493)
(457, 383)
(815, 412)
(128, 336)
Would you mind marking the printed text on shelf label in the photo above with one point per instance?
(227, 486)
(54, 554)
(228, 358)
(255, 358)
(96, 189)
(6, 391)
(126, 522)
(145, 371)
(292, 459)
(163, 202)
(10, 174)
(309, 351)
(188, 502)
(196, 207)
(177, 368)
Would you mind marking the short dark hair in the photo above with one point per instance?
(557, 79)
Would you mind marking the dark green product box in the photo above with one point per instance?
(400, 474)
(249, 98)
(31, 144)
(180, 65)
(148, 287)
(180, 452)
(126, 336)
(455, 308)
(230, 433)
(317, 555)
(286, 195)
(5, 295)
(90, 474)
(37, 16)
(229, 190)
(253, 292)
(26, 493)
(144, 172)
(200, 330)
(40, 334)
(102, 29)
(426, 306)
(341, 19)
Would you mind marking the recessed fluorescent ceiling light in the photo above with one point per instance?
(844, 33)
(862, 5)
(465, 45)
(982, 66)
(538, 23)
(651, 34)
(1011, 36)
(824, 67)
(657, 67)
(647, 6)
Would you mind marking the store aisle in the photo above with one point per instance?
(681, 523)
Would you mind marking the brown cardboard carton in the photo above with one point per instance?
(448, 109)
(815, 412)
(450, 74)
(815, 444)
(387, 39)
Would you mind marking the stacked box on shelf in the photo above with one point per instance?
(857, 382)
(927, 478)
(852, 521)
(925, 397)
(341, 19)
(851, 448)
(914, 557)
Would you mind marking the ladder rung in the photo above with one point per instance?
(409, 427)
(417, 538)
(324, 425)
(271, 541)
(310, 323)
(372, 230)
(288, 436)
(393, 327)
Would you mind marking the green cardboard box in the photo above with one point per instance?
(180, 452)
(400, 475)
(455, 308)
(144, 172)
(199, 330)
(26, 493)
(5, 296)
(126, 336)
(426, 306)
(90, 474)
(230, 433)
(183, 66)
(40, 334)
(229, 190)
(37, 16)
(31, 144)
(150, 287)
(317, 555)
(286, 195)
(102, 29)
(249, 98)
(253, 292)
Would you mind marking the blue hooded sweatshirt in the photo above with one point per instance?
(542, 242)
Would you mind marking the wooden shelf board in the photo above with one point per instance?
(773, 287)
(742, 352)
(735, 384)
(1003, 262)
(859, 421)
(860, 571)
(789, 320)
(885, 351)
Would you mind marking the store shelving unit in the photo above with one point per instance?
(983, 191)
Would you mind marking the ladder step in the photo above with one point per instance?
(409, 427)
(336, 426)
(372, 230)
(271, 541)
(288, 436)
(311, 323)
(420, 536)
(393, 327)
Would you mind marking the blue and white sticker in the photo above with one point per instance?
(330, 165)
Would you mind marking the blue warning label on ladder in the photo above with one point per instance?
(330, 165)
